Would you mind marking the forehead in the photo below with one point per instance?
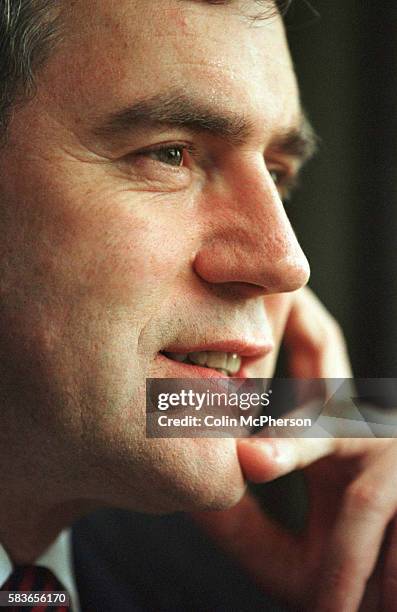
(114, 52)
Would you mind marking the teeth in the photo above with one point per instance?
(177, 356)
(227, 363)
(233, 363)
(217, 360)
(198, 358)
(222, 371)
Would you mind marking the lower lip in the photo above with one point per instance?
(176, 369)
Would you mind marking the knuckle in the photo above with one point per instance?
(340, 578)
(329, 334)
(332, 330)
(366, 495)
(320, 340)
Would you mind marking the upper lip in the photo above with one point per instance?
(241, 348)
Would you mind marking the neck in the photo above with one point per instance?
(40, 489)
(28, 528)
(38, 492)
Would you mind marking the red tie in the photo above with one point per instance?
(35, 578)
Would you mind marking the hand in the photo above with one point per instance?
(314, 341)
(352, 489)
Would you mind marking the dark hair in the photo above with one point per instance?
(29, 30)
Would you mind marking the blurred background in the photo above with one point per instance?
(345, 212)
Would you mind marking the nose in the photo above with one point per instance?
(248, 237)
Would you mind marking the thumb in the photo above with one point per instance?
(264, 459)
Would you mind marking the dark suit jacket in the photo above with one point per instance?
(133, 562)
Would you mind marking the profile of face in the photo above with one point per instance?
(141, 195)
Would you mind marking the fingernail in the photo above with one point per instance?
(284, 454)
(280, 452)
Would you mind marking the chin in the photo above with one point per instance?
(191, 475)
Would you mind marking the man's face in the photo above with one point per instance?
(130, 233)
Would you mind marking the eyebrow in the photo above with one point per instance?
(299, 142)
(175, 109)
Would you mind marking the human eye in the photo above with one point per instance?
(164, 166)
(285, 182)
(168, 155)
(175, 155)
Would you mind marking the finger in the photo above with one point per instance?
(314, 340)
(368, 506)
(269, 554)
(389, 578)
(264, 459)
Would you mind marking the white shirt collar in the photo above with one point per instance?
(58, 559)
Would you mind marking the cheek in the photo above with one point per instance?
(85, 260)
(125, 251)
